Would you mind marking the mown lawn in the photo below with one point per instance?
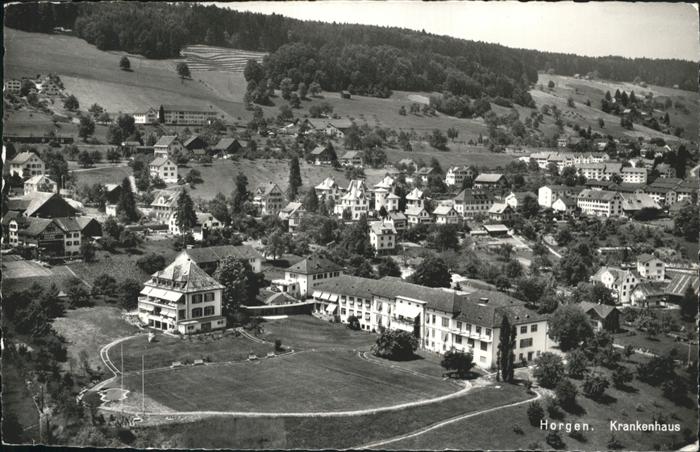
(321, 433)
(307, 332)
(659, 344)
(302, 382)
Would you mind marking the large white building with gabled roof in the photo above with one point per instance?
(182, 299)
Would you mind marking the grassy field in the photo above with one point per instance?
(320, 433)
(20, 275)
(16, 400)
(167, 349)
(101, 175)
(210, 58)
(452, 158)
(307, 332)
(91, 328)
(660, 344)
(306, 381)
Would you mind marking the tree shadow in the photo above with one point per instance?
(606, 399)
(575, 409)
(627, 388)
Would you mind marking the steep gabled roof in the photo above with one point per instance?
(22, 158)
(443, 210)
(165, 140)
(266, 189)
(160, 161)
(314, 264)
(185, 270)
(602, 310)
(209, 254)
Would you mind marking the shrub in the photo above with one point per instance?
(621, 376)
(353, 323)
(675, 389)
(614, 443)
(535, 413)
(553, 438)
(576, 364)
(657, 370)
(458, 361)
(577, 435)
(549, 370)
(395, 344)
(151, 263)
(566, 393)
(594, 386)
(552, 407)
(278, 345)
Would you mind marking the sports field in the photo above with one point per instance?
(300, 382)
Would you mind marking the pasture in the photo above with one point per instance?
(301, 382)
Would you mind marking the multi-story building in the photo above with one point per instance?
(501, 212)
(517, 198)
(27, 164)
(470, 203)
(414, 198)
(456, 175)
(398, 219)
(166, 146)
(490, 181)
(312, 271)
(446, 214)
(40, 183)
(355, 200)
(57, 237)
(382, 236)
(329, 189)
(209, 257)
(444, 319)
(13, 86)
(182, 299)
(205, 222)
(600, 203)
(164, 205)
(621, 282)
(351, 158)
(164, 169)
(631, 175)
(547, 194)
(269, 198)
(386, 199)
(293, 214)
(668, 191)
(149, 116)
(189, 114)
(651, 267)
(41, 205)
(417, 215)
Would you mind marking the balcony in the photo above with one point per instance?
(158, 302)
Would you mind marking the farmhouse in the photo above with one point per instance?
(182, 298)
(269, 198)
(501, 212)
(322, 155)
(208, 257)
(27, 164)
(226, 146)
(41, 205)
(163, 168)
(490, 181)
(600, 203)
(382, 236)
(329, 189)
(470, 203)
(194, 143)
(166, 146)
(417, 215)
(355, 200)
(310, 272)
(334, 128)
(40, 183)
(351, 158)
(189, 114)
(444, 319)
(603, 317)
(56, 237)
(649, 294)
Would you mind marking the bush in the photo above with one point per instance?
(151, 263)
(353, 323)
(614, 443)
(566, 393)
(553, 438)
(594, 386)
(549, 370)
(577, 435)
(675, 389)
(552, 407)
(576, 364)
(621, 376)
(535, 413)
(518, 429)
(278, 345)
(458, 361)
(395, 344)
(657, 370)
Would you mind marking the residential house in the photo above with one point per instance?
(329, 189)
(603, 317)
(149, 116)
(293, 214)
(355, 200)
(40, 183)
(382, 236)
(386, 199)
(55, 237)
(633, 175)
(205, 222)
(194, 143)
(182, 298)
(417, 215)
(41, 205)
(226, 146)
(197, 115)
(633, 203)
(414, 198)
(599, 203)
(490, 181)
(444, 319)
(333, 128)
(269, 198)
(164, 204)
(424, 174)
(665, 170)
(310, 272)
(517, 199)
(651, 267)
(501, 212)
(564, 204)
(563, 141)
(322, 155)
(547, 194)
(166, 146)
(398, 219)
(620, 281)
(163, 168)
(649, 294)
(446, 214)
(470, 203)
(352, 158)
(209, 257)
(455, 175)
(27, 164)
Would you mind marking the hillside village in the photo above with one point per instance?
(449, 259)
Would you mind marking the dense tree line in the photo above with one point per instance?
(362, 59)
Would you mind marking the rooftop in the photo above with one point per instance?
(184, 270)
(314, 264)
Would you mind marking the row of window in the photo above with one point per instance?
(199, 298)
(199, 312)
(322, 275)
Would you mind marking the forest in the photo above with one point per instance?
(368, 60)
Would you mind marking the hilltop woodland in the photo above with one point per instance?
(366, 60)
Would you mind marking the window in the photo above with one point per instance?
(484, 346)
(208, 310)
(209, 296)
(181, 314)
(529, 356)
(459, 325)
(458, 339)
(445, 322)
(433, 318)
(342, 311)
(196, 312)
(533, 328)
(478, 330)
(523, 329)
(197, 298)
(526, 342)
(488, 332)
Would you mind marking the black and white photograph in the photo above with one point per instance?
(350, 225)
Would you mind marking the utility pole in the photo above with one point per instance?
(143, 385)
(121, 395)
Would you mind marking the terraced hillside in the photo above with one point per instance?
(210, 58)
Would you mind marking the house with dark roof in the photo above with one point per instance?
(189, 114)
(226, 146)
(603, 317)
(321, 155)
(310, 272)
(209, 257)
(620, 281)
(649, 294)
(195, 142)
(490, 181)
(167, 145)
(444, 319)
(292, 213)
(50, 237)
(471, 203)
(182, 298)
(40, 183)
(41, 205)
(351, 158)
